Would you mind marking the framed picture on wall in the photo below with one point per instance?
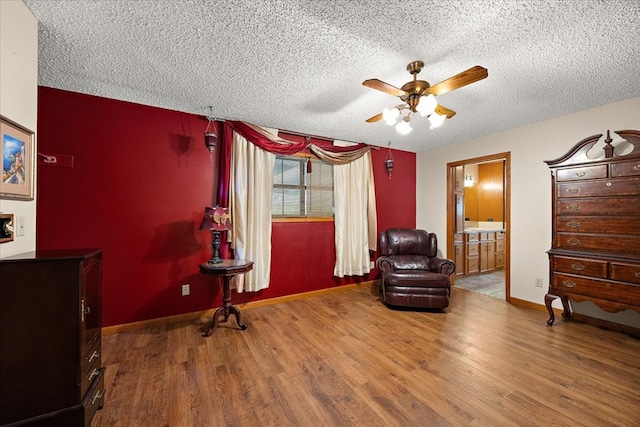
(17, 155)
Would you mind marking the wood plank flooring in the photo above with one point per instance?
(344, 359)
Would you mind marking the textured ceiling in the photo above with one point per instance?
(299, 64)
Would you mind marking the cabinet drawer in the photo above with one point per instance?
(472, 249)
(487, 236)
(603, 289)
(500, 235)
(625, 168)
(625, 272)
(581, 266)
(599, 187)
(599, 224)
(499, 260)
(596, 206)
(472, 237)
(622, 244)
(90, 374)
(499, 245)
(94, 398)
(473, 265)
(458, 238)
(587, 172)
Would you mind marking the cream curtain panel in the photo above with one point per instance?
(250, 190)
(355, 215)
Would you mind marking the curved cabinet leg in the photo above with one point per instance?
(548, 300)
(566, 313)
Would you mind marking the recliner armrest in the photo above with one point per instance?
(442, 265)
(385, 265)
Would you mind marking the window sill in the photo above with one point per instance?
(301, 219)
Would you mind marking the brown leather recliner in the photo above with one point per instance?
(412, 274)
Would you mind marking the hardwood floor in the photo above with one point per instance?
(344, 359)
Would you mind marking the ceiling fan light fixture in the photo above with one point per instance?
(390, 115)
(436, 120)
(403, 127)
(426, 105)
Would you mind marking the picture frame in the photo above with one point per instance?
(7, 228)
(17, 159)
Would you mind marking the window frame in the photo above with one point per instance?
(285, 218)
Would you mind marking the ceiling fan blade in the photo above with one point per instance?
(383, 87)
(375, 118)
(464, 78)
(445, 111)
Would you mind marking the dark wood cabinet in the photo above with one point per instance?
(595, 250)
(50, 339)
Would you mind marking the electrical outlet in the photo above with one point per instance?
(185, 290)
(538, 282)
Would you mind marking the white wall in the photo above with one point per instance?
(18, 100)
(530, 188)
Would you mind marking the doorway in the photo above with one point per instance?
(478, 223)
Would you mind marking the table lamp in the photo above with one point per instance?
(216, 219)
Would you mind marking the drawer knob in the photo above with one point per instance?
(94, 374)
(573, 208)
(93, 356)
(573, 224)
(98, 396)
(638, 274)
(608, 285)
(636, 168)
(608, 184)
(573, 190)
(580, 173)
(569, 283)
(578, 266)
(574, 242)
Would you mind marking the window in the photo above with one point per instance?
(297, 193)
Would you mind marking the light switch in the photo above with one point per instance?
(19, 225)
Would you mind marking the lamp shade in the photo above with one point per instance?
(216, 218)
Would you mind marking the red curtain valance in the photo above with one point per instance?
(275, 144)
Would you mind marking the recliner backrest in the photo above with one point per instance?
(408, 241)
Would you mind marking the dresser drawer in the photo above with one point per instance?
(458, 238)
(625, 272)
(581, 266)
(626, 168)
(603, 289)
(599, 187)
(90, 374)
(94, 398)
(597, 206)
(585, 172)
(622, 244)
(599, 224)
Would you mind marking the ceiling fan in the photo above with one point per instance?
(418, 96)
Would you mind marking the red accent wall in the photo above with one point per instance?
(138, 186)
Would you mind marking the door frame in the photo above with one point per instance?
(451, 210)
